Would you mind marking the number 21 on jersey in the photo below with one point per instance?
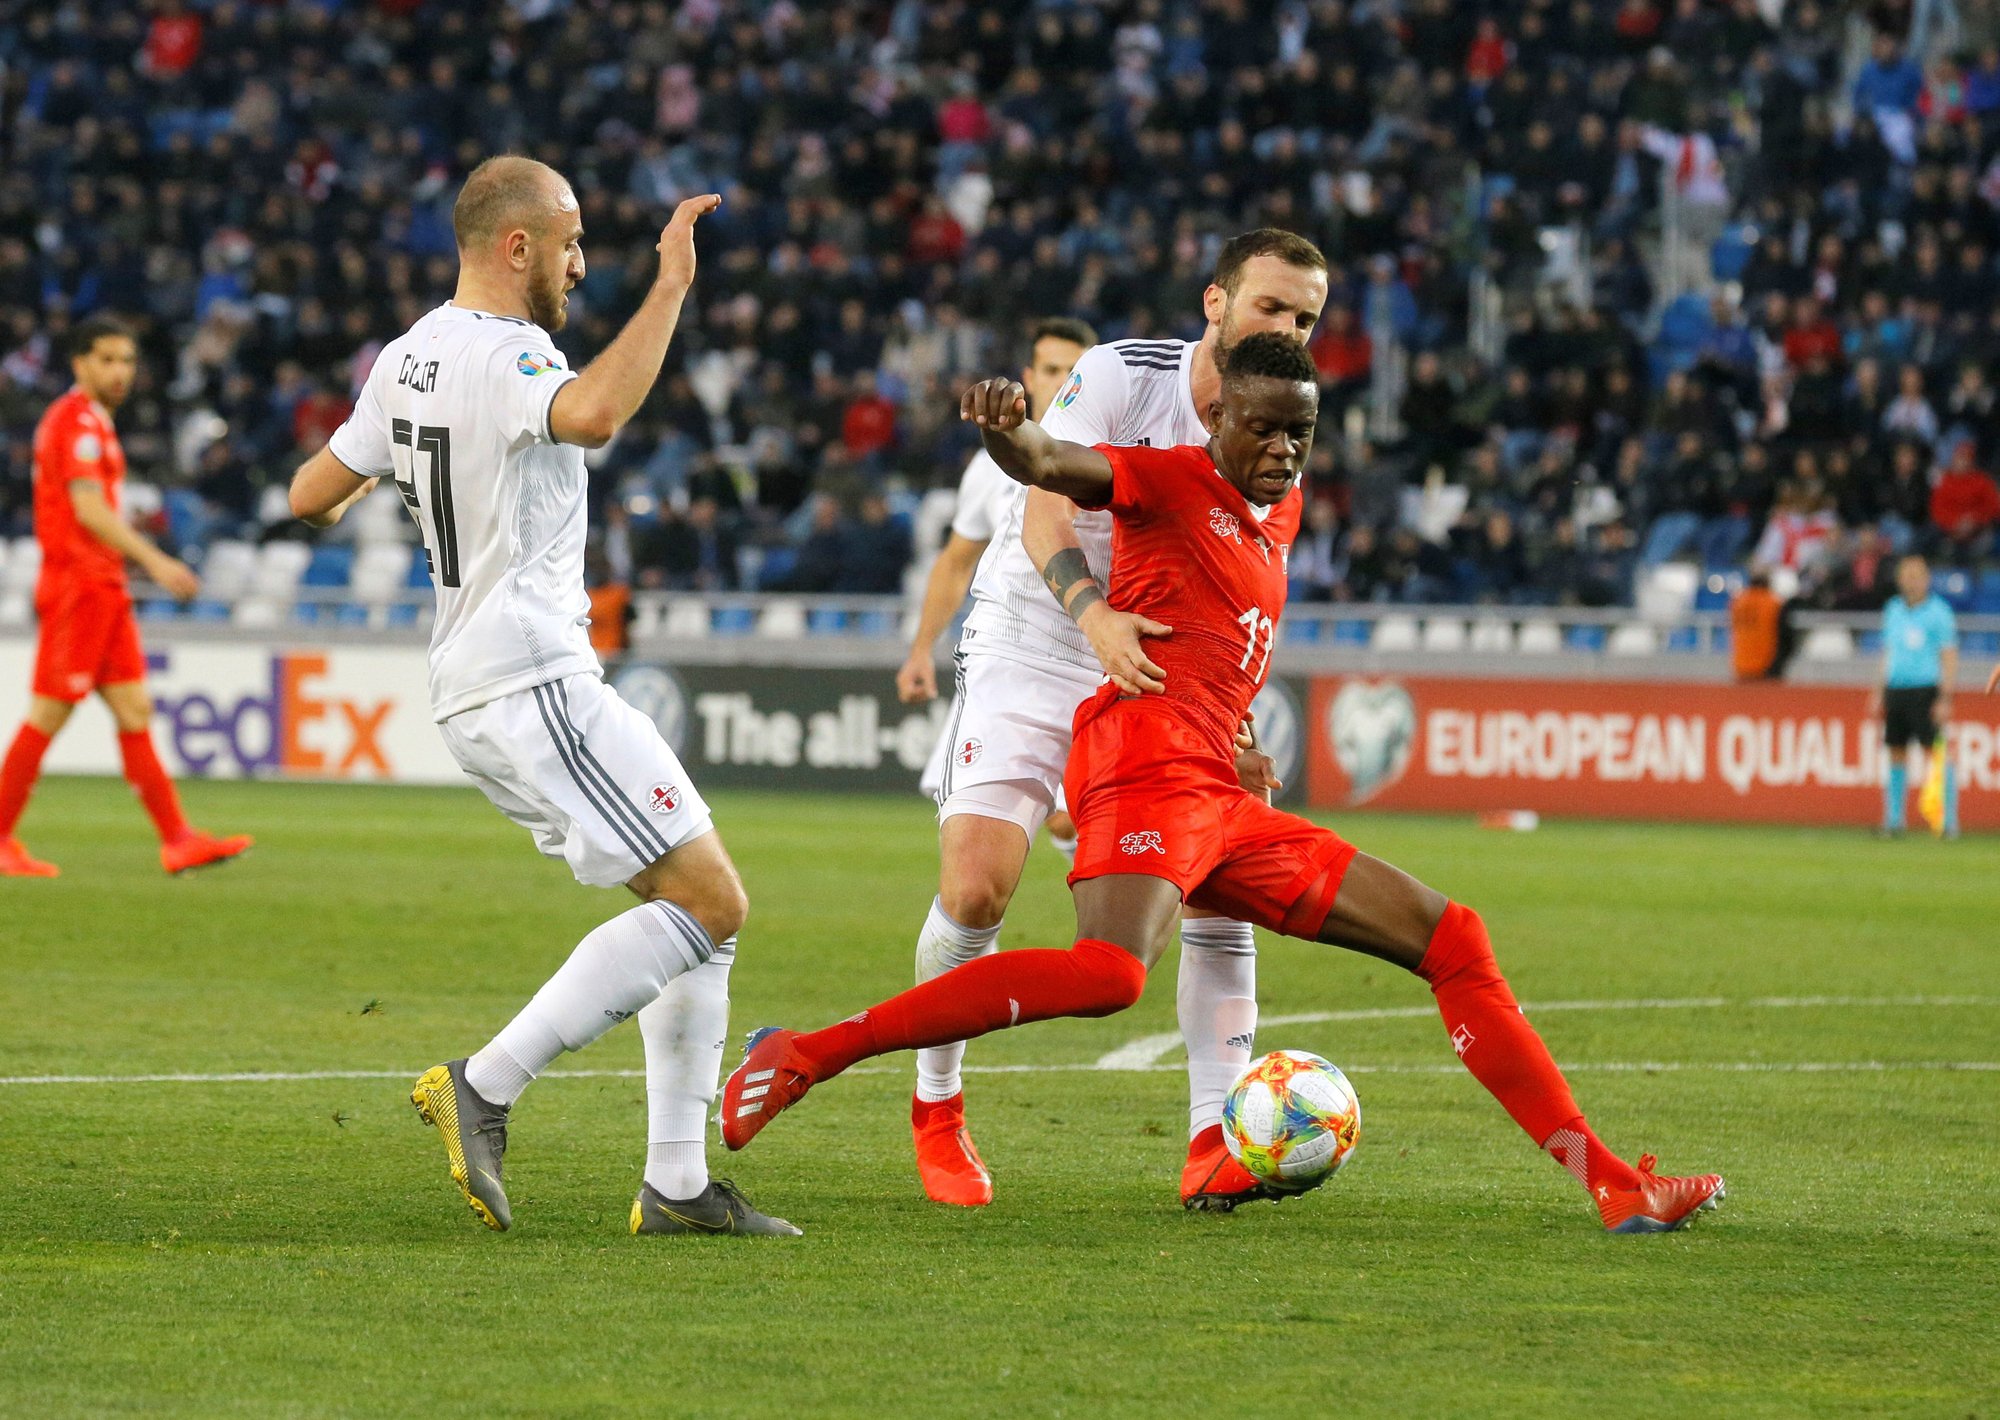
(1256, 624)
(433, 443)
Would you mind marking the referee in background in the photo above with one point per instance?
(1919, 667)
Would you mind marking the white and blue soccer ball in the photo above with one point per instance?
(1292, 1120)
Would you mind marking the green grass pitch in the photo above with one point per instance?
(212, 1248)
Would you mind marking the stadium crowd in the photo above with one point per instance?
(1613, 281)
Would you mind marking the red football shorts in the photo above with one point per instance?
(1149, 796)
(89, 638)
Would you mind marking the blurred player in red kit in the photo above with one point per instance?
(1201, 541)
(89, 637)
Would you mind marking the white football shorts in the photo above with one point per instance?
(582, 771)
(1007, 742)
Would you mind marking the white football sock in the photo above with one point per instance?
(685, 1032)
(1217, 1002)
(615, 972)
(942, 945)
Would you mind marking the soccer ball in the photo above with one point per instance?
(1292, 1120)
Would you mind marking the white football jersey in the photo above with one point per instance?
(983, 494)
(1128, 392)
(456, 411)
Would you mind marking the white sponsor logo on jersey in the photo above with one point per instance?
(1147, 841)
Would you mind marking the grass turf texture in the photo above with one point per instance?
(295, 1248)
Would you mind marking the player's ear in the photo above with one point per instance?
(1214, 301)
(1211, 418)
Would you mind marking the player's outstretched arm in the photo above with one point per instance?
(97, 517)
(324, 489)
(1026, 452)
(595, 405)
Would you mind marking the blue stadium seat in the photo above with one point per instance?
(1303, 633)
(875, 623)
(733, 620)
(348, 614)
(402, 616)
(1955, 587)
(331, 566)
(311, 613)
(1986, 593)
(1868, 643)
(420, 569)
(820, 622)
(1583, 638)
(1980, 645)
(1684, 639)
(1351, 633)
(159, 609)
(205, 610)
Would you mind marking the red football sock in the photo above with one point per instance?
(986, 994)
(18, 774)
(1496, 1043)
(148, 778)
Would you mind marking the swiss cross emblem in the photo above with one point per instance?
(1224, 524)
(1144, 842)
(664, 799)
(1461, 1041)
(969, 751)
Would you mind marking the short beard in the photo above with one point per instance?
(1226, 340)
(545, 306)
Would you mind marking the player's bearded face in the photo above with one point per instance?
(1263, 435)
(106, 371)
(1270, 294)
(548, 303)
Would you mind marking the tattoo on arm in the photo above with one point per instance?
(1065, 573)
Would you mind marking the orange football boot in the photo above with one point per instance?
(1657, 1205)
(15, 862)
(770, 1080)
(195, 849)
(948, 1164)
(1215, 1182)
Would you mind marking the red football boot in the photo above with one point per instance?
(770, 1080)
(15, 862)
(951, 1169)
(1657, 1205)
(195, 849)
(1215, 1182)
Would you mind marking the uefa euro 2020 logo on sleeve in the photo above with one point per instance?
(1070, 391)
(533, 362)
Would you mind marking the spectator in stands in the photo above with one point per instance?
(1965, 507)
(1909, 415)
(610, 607)
(695, 551)
(1799, 535)
(821, 555)
(875, 551)
(1756, 622)
(1319, 557)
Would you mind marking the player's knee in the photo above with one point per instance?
(977, 901)
(718, 902)
(1116, 977)
(1459, 946)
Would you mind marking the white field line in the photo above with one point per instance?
(1142, 1055)
(1621, 1067)
(1148, 1049)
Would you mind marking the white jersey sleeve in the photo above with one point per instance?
(983, 494)
(362, 441)
(526, 374)
(1091, 406)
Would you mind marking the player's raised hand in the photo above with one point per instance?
(677, 240)
(916, 682)
(1114, 638)
(995, 404)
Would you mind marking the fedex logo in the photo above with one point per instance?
(288, 724)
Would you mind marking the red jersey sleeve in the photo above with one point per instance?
(76, 449)
(1136, 471)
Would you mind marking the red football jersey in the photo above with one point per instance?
(75, 440)
(1187, 550)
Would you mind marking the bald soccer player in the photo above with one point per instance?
(482, 424)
